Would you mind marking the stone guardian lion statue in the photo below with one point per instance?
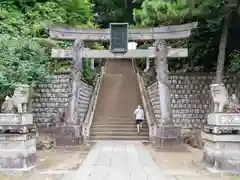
(220, 96)
(19, 100)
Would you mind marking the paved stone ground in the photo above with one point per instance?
(135, 161)
(119, 161)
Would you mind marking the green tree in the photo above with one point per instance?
(78, 11)
(235, 62)
(22, 61)
(31, 17)
(43, 13)
(204, 42)
(223, 40)
(115, 10)
(27, 18)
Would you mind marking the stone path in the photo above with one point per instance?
(119, 161)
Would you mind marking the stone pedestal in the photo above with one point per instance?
(68, 135)
(16, 123)
(18, 148)
(17, 152)
(168, 137)
(222, 142)
(223, 123)
(222, 152)
(223, 119)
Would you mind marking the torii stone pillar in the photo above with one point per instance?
(92, 63)
(168, 134)
(147, 65)
(132, 46)
(68, 132)
(148, 62)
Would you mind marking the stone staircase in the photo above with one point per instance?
(118, 98)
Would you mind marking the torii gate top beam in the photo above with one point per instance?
(91, 34)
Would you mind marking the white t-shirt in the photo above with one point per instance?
(132, 45)
(139, 114)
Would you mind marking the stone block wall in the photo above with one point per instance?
(190, 97)
(54, 96)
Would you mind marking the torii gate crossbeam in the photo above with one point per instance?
(100, 54)
(90, 34)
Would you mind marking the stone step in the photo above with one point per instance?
(99, 118)
(115, 120)
(124, 126)
(119, 96)
(125, 138)
(114, 123)
(131, 133)
(116, 129)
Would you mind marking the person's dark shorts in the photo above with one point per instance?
(139, 121)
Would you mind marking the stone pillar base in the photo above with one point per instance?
(68, 136)
(225, 163)
(168, 138)
(17, 152)
(222, 142)
(222, 152)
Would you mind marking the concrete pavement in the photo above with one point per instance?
(119, 161)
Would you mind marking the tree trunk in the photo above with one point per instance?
(222, 50)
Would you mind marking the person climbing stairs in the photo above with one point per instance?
(118, 98)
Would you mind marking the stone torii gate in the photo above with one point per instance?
(161, 52)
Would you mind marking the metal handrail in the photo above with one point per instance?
(146, 100)
(92, 106)
(150, 116)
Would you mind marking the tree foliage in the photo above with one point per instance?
(31, 20)
(22, 22)
(234, 66)
(204, 41)
(22, 61)
(115, 10)
(77, 11)
(167, 12)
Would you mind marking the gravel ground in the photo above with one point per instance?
(51, 164)
(186, 165)
(55, 164)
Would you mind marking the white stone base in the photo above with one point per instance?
(223, 119)
(17, 152)
(222, 137)
(222, 152)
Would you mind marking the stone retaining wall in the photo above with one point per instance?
(190, 97)
(54, 96)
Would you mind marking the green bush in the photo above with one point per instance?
(89, 74)
(235, 62)
(21, 61)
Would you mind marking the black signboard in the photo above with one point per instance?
(119, 37)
